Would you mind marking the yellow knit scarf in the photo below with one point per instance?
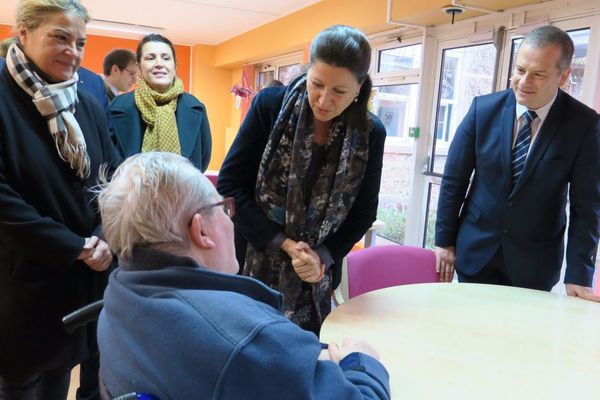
(158, 112)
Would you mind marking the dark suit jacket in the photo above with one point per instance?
(192, 124)
(237, 178)
(93, 84)
(46, 213)
(529, 220)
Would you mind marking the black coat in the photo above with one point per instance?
(237, 178)
(192, 124)
(46, 213)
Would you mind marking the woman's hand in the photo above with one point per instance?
(96, 254)
(306, 261)
(308, 265)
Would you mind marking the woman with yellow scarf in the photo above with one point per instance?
(158, 115)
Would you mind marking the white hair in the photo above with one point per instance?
(150, 201)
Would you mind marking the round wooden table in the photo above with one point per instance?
(469, 341)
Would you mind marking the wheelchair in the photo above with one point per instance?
(83, 316)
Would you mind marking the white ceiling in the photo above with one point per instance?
(183, 21)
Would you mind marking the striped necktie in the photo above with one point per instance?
(519, 152)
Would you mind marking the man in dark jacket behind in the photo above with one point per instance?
(178, 323)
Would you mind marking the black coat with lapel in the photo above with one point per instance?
(46, 213)
(192, 124)
(237, 178)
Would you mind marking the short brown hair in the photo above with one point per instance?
(119, 57)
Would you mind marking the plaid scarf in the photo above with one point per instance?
(280, 192)
(55, 102)
(158, 112)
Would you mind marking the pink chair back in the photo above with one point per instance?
(212, 176)
(385, 266)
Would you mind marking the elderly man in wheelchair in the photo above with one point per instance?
(179, 323)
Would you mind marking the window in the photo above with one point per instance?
(283, 68)
(400, 58)
(573, 85)
(395, 101)
(466, 72)
(396, 107)
(264, 77)
(442, 130)
(287, 73)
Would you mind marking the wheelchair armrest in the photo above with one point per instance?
(82, 316)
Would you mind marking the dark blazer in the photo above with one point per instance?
(237, 178)
(46, 213)
(192, 124)
(109, 91)
(529, 220)
(93, 84)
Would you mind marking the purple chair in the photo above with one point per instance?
(384, 266)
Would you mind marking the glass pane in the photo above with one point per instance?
(432, 204)
(399, 58)
(515, 43)
(396, 106)
(289, 72)
(466, 72)
(581, 39)
(264, 78)
(573, 85)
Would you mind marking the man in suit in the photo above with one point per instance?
(528, 149)
(120, 72)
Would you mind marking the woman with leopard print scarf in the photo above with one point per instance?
(305, 171)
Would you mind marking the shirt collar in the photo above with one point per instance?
(113, 89)
(541, 112)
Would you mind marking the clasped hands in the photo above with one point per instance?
(306, 261)
(96, 254)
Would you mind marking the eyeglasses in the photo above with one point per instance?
(132, 73)
(228, 204)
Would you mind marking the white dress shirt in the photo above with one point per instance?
(537, 123)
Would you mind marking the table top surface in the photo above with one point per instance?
(469, 341)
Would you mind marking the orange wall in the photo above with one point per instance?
(5, 31)
(211, 86)
(98, 46)
(290, 33)
(236, 113)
